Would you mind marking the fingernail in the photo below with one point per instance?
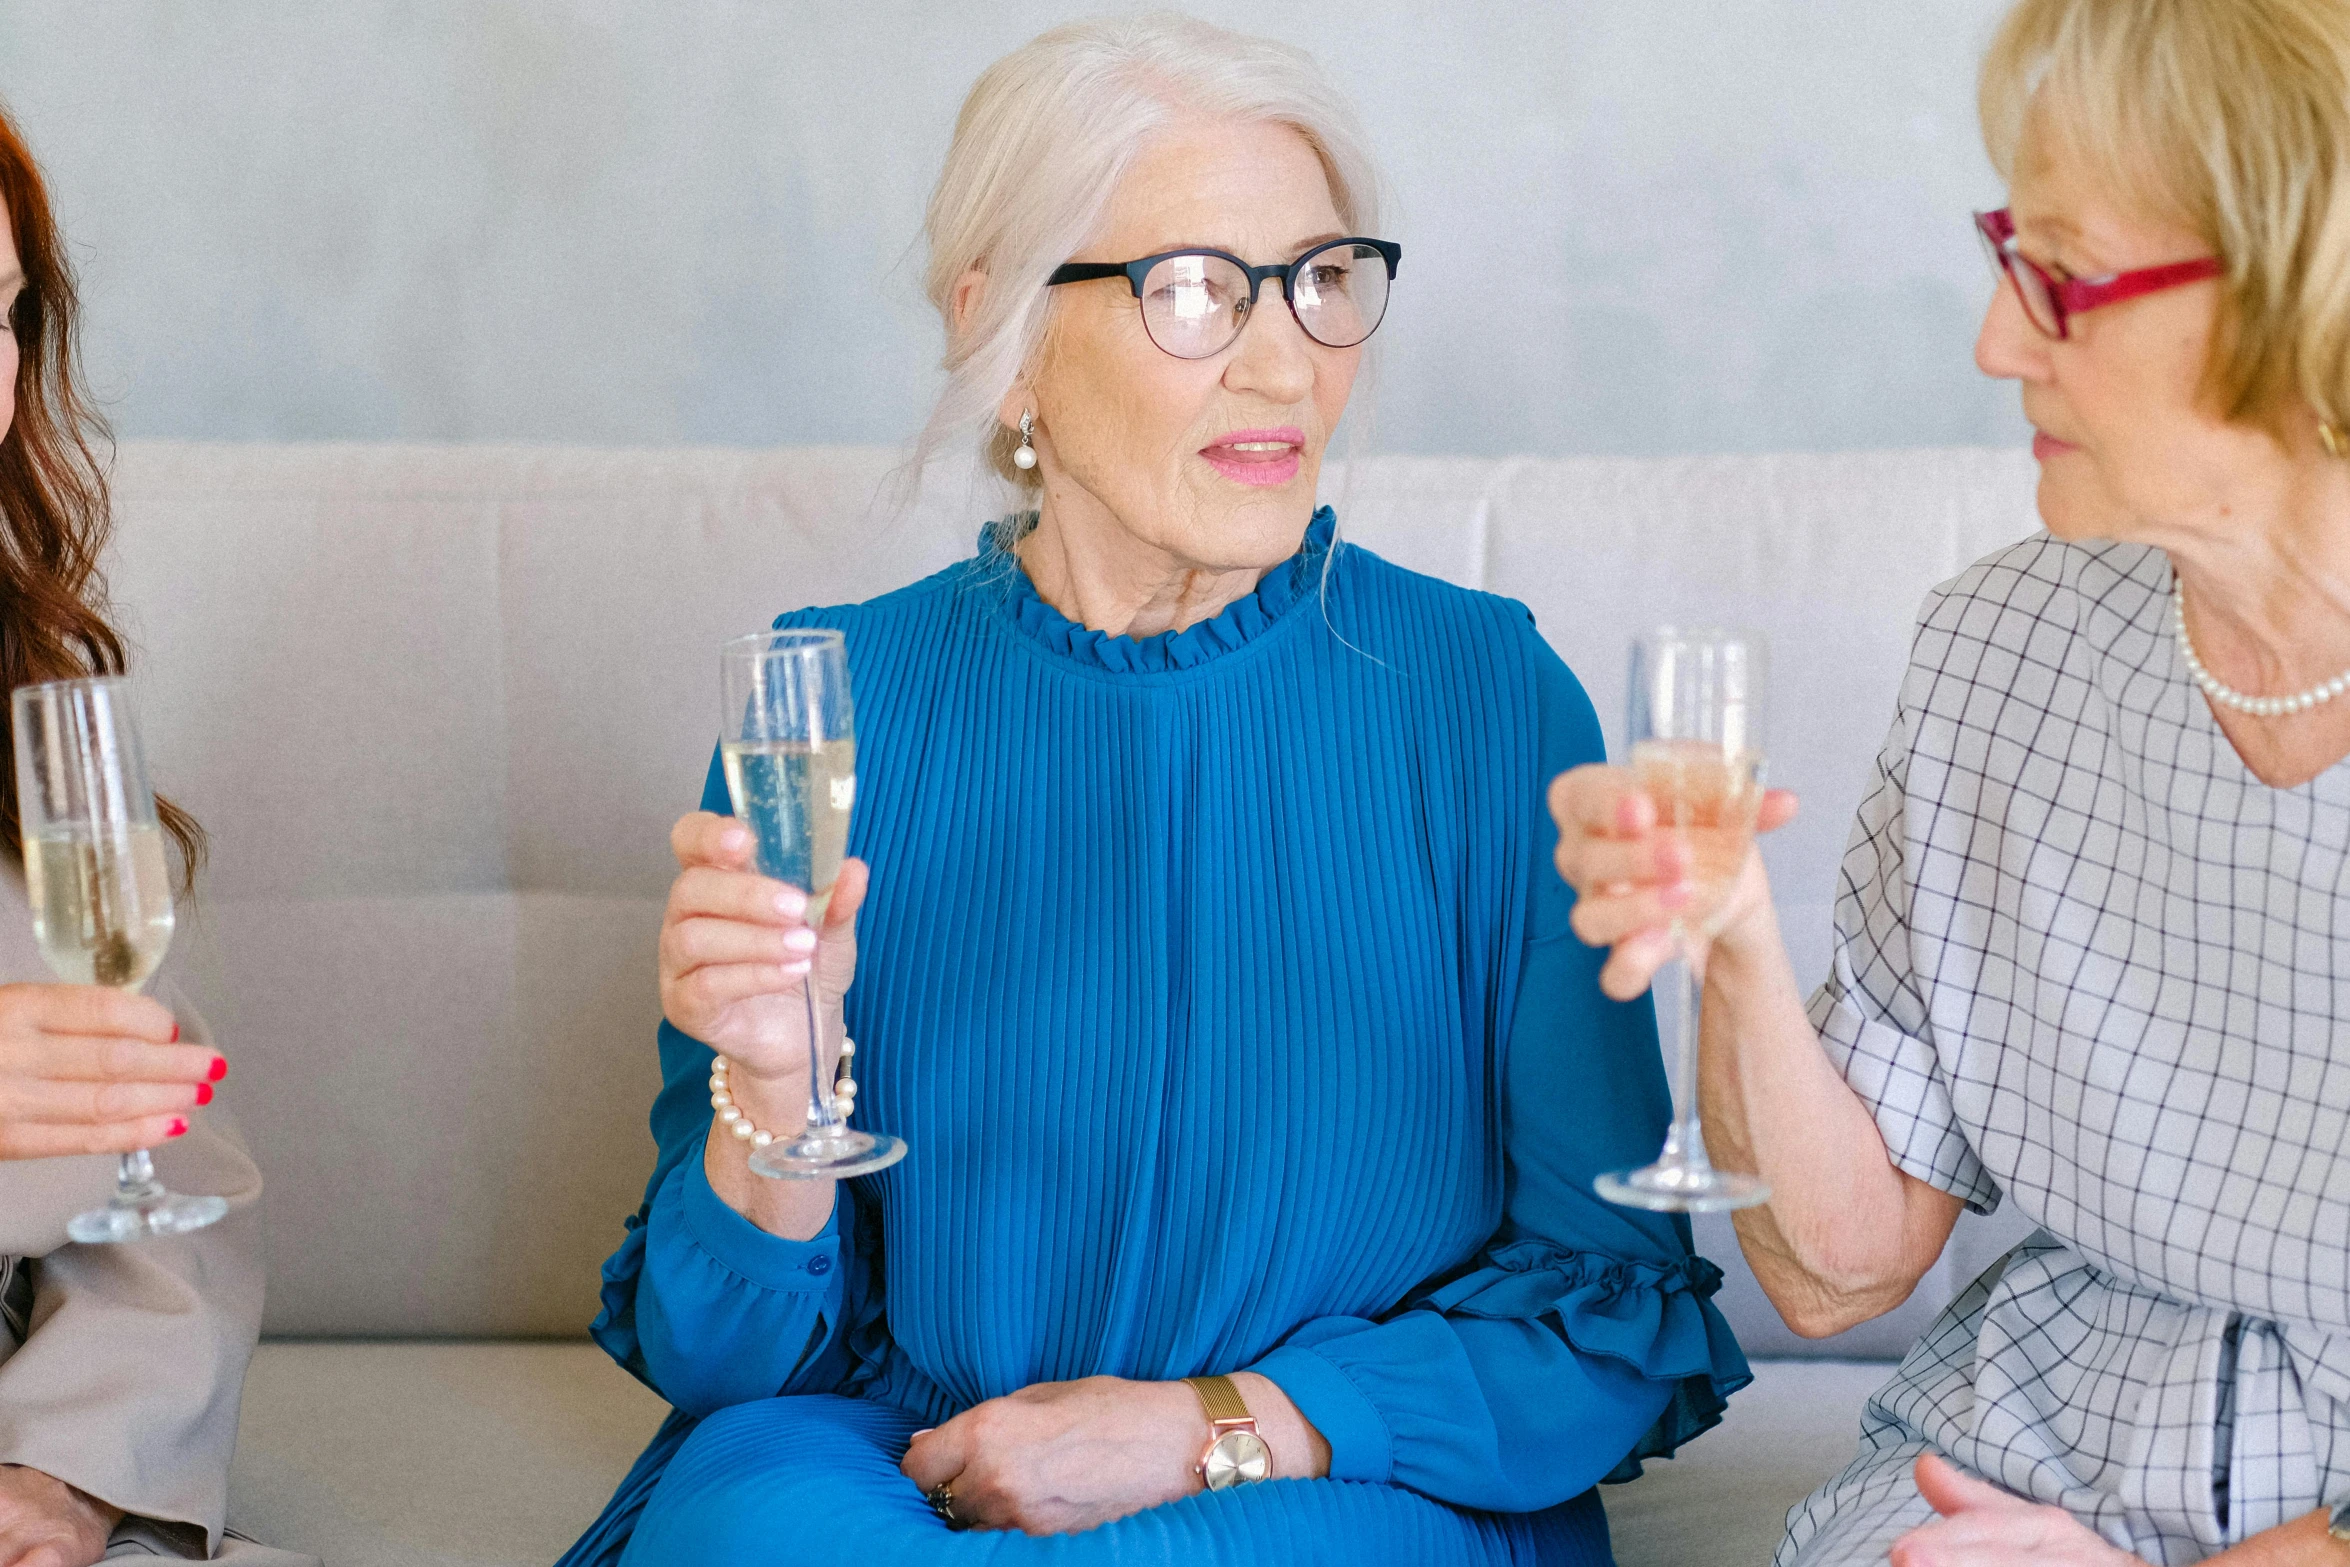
(219, 1068)
(203, 1093)
(1676, 895)
(734, 838)
(801, 940)
(179, 1128)
(795, 970)
(791, 905)
(175, 1033)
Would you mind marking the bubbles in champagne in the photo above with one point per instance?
(795, 797)
(101, 905)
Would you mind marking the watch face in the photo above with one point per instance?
(1236, 1458)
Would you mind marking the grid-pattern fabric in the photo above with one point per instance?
(2086, 960)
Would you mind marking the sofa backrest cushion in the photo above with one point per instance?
(439, 705)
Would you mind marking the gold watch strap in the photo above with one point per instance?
(1220, 1397)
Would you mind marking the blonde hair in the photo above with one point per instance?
(2230, 116)
(1039, 148)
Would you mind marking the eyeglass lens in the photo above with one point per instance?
(1195, 305)
(2031, 286)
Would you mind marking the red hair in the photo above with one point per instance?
(54, 516)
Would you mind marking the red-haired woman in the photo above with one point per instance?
(120, 1366)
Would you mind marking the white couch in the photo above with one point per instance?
(438, 706)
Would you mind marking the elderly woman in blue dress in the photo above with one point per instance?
(2091, 947)
(1206, 953)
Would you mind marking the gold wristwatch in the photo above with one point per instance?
(1235, 1454)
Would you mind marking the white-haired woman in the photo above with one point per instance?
(1213, 967)
(2092, 947)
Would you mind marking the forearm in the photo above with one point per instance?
(2302, 1543)
(1846, 1235)
(793, 1209)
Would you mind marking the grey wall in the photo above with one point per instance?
(1633, 226)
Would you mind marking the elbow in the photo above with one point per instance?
(1818, 1308)
(1824, 1285)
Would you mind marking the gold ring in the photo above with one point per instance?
(941, 1498)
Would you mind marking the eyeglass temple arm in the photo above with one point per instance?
(1090, 271)
(2079, 294)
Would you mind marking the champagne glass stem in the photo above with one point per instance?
(821, 1112)
(134, 1178)
(1686, 1144)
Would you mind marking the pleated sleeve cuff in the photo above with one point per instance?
(769, 1261)
(1361, 1446)
(711, 1310)
(1655, 1318)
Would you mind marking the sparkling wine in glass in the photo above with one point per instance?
(789, 748)
(100, 886)
(1697, 703)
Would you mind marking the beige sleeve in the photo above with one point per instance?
(128, 1384)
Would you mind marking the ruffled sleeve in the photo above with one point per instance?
(1582, 1338)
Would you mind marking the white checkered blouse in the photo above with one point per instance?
(2086, 960)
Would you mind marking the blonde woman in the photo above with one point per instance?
(2093, 942)
(1212, 964)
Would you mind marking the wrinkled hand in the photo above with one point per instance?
(1983, 1526)
(1631, 876)
(90, 1069)
(736, 948)
(46, 1523)
(1063, 1456)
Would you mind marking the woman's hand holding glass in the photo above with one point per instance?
(736, 949)
(89, 1069)
(1632, 876)
(736, 957)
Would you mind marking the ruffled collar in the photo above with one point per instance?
(1241, 622)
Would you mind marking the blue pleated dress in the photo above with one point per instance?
(1223, 990)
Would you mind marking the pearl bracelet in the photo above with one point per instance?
(730, 1116)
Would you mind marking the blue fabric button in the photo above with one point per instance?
(819, 1266)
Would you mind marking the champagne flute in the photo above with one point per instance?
(100, 887)
(789, 746)
(1697, 702)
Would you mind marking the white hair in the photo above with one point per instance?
(1044, 138)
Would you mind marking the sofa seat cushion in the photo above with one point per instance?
(497, 1455)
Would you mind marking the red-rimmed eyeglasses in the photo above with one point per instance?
(2051, 301)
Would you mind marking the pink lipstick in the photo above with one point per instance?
(1262, 458)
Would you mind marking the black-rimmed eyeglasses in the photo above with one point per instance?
(1194, 302)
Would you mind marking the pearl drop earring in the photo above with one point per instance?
(1025, 457)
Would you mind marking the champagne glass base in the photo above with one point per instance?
(827, 1156)
(145, 1217)
(1681, 1188)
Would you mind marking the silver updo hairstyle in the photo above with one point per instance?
(1039, 148)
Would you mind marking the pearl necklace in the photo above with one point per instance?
(2229, 696)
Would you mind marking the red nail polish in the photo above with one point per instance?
(175, 1033)
(203, 1093)
(179, 1127)
(219, 1068)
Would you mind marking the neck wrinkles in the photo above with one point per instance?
(2268, 582)
(1104, 579)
